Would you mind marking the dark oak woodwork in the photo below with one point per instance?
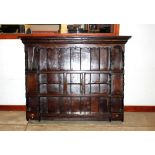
(74, 77)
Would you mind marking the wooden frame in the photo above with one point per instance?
(115, 31)
(63, 29)
(62, 32)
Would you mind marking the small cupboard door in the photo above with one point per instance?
(117, 84)
(117, 58)
(51, 84)
(31, 83)
(97, 83)
(116, 104)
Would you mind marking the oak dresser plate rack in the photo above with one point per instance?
(74, 77)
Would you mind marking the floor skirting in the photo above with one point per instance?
(126, 108)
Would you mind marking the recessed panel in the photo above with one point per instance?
(65, 105)
(117, 84)
(73, 78)
(43, 78)
(95, 88)
(55, 89)
(55, 78)
(75, 105)
(32, 104)
(85, 59)
(116, 104)
(104, 58)
(117, 58)
(43, 59)
(74, 89)
(43, 105)
(85, 105)
(31, 81)
(104, 89)
(95, 59)
(53, 105)
(52, 59)
(95, 104)
(43, 88)
(75, 59)
(33, 59)
(64, 59)
(103, 104)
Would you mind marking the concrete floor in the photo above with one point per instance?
(134, 121)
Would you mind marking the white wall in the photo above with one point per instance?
(139, 67)
(139, 64)
(12, 72)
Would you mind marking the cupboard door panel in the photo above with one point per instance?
(43, 88)
(104, 89)
(104, 78)
(43, 105)
(31, 83)
(95, 88)
(85, 105)
(95, 63)
(75, 105)
(75, 59)
(99, 104)
(32, 58)
(53, 105)
(42, 59)
(103, 105)
(85, 59)
(94, 104)
(52, 59)
(74, 84)
(95, 78)
(55, 78)
(65, 105)
(55, 89)
(104, 58)
(117, 58)
(73, 78)
(32, 104)
(42, 78)
(97, 84)
(117, 84)
(116, 104)
(64, 59)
